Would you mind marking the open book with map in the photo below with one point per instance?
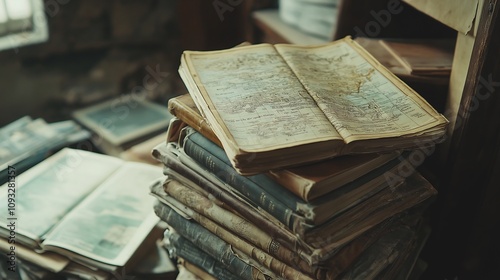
(281, 105)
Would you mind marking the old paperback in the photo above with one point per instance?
(91, 208)
(273, 106)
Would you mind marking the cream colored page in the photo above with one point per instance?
(356, 97)
(259, 99)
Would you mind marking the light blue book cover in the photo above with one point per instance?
(124, 119)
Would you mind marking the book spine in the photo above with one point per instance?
(208, 214)
(192, 118)
(208, 241)
(248, 212)
(179, 246)
(298, 185)
(228, 257)
(184, 265)
(260, 189)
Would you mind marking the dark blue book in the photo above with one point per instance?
(222, 245)
(180, 246)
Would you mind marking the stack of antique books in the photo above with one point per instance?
(288, 162)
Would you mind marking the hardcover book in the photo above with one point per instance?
(22, 139)
(273, 106)
(26, 142)
(91, 208)
(309, 181)
(184, 108)
(120, 123)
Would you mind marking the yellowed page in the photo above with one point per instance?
(255, 98)
(359, 96)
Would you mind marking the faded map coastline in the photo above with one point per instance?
(248, 108)
(357, 99)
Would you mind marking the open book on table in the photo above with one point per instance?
(281, 105)
(92, 208)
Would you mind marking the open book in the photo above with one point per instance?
(282, 105)
(93, 209)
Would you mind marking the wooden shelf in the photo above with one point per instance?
(275, 30)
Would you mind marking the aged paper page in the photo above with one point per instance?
(357, 98)
(254, 93)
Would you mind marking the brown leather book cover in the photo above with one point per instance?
(183, 108)
(274, 107)
(314, 180)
